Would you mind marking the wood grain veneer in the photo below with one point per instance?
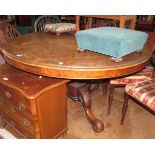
(57, 56)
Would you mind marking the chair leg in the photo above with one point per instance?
(111, 91)
(125, 106)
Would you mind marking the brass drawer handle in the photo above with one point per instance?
(26, 122)
(12, 109)
(7, 94)
(21, 106)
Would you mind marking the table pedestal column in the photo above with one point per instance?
(81, 92)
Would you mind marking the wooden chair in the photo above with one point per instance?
(39, 24)
(7, 31)
(143, 92)
(145, 74)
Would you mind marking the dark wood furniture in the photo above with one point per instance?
(7, 31)
(121, 18)
(7, 19)
(67, 18)
(32, 106)
(153, 59)
(25, 23)
(143, 93)
(143, 75)
(145, 23)
(57, 56)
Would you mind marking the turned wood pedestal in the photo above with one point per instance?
(81, 92)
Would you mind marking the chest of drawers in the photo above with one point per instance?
(32, 106)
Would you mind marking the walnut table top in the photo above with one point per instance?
(57, 56)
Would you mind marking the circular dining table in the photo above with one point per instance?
(57, 56)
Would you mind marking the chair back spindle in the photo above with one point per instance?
(7, 31)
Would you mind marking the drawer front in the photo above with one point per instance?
(11, 125)
(12, 108)
(5, 124)
(19, 121)
(10, 95)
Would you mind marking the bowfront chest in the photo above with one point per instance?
(32, 106)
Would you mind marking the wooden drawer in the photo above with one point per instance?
(10, 95)
(24, 121)
(12, 108)
(7, 125)
(22, 125)
(32, 105)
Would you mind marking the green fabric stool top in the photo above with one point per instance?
(112, 41)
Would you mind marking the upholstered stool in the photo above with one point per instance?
(144, 92)
(112, 41)
(143, 75)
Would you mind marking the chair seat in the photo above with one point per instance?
(143, 92)
(143, 75)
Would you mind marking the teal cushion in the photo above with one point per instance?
(113, 41)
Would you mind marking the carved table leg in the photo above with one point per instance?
(80, 91)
